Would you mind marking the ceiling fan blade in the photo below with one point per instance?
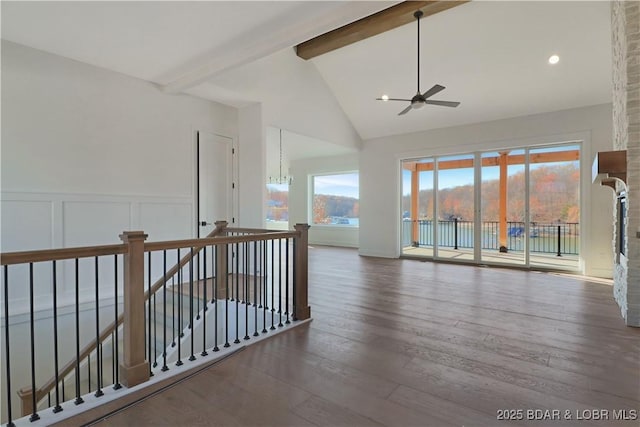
(405, 111)
(393, 99)
(442, 103)
(435, 89)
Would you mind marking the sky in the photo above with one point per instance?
(347, 184)
(457, 177)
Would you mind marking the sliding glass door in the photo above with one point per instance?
(554, 205)
(455, 207)
(503, 200)
(527, 202)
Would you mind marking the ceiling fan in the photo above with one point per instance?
(420, 100)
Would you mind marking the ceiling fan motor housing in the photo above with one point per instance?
(417, 102)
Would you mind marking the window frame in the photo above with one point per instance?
(312, 195)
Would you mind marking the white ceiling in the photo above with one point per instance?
(490, 55)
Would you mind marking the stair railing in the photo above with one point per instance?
(134, 368)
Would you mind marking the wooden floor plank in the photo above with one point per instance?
(411, 343)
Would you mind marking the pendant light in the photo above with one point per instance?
(280, 179)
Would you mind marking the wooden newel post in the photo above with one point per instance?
(301, 309)
(26, 401)
(134, 368)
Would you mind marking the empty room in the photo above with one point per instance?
(417, 213)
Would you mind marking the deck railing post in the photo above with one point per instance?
(301, 309)
(455, 233)
(134, 369)
(222, 259)
(559, 252)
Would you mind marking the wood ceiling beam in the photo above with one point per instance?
(372, 25)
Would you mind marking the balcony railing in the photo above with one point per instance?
(559, 238)
(119, 314)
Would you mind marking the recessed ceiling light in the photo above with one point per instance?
(385, 97)
(554, 59)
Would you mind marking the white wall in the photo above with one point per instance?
(293, 94)
(300, 196)
(252, 175)
(88, 153)
(380, 173)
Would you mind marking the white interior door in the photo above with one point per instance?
(214, 181)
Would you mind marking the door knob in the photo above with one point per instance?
(204, 223)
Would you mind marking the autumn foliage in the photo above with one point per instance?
(554, 196)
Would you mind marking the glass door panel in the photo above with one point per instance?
(417, 207)
(554, 206)
(454, 231)
(503, 207)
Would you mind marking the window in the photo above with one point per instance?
(336, 199)
(278, 206)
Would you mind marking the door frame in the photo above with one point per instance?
(233, 195)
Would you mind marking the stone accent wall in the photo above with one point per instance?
(625, 27)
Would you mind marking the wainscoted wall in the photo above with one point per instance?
(88, 153)
(56, 220)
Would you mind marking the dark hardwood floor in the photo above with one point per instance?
(410, 343)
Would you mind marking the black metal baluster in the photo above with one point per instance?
(57, 408)
(7, 346)
(116, 367)
(173, 309)
(179, 362)
(237, 280)
(113, 357)
(34, 416)
(273, 278)
(155, 331)
(89, 371)
(100, 368)
(204, 302)
(98, 355)
(263, 273)
(255, 288)
(215, 299)
(164, 311)
(79, 399)
(264, 287)
(198, 287)
(232, 255)
(192, 357)
(280, 283)
(226, 302)
(293, 288)
(286, 291)
(149, 348)
(247, 298)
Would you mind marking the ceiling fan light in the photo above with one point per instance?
(416, 105)
(385, 97)
(554, 59)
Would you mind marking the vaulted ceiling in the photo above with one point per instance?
(491, 56)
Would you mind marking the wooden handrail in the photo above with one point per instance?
(198, 244)
(23, 257)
